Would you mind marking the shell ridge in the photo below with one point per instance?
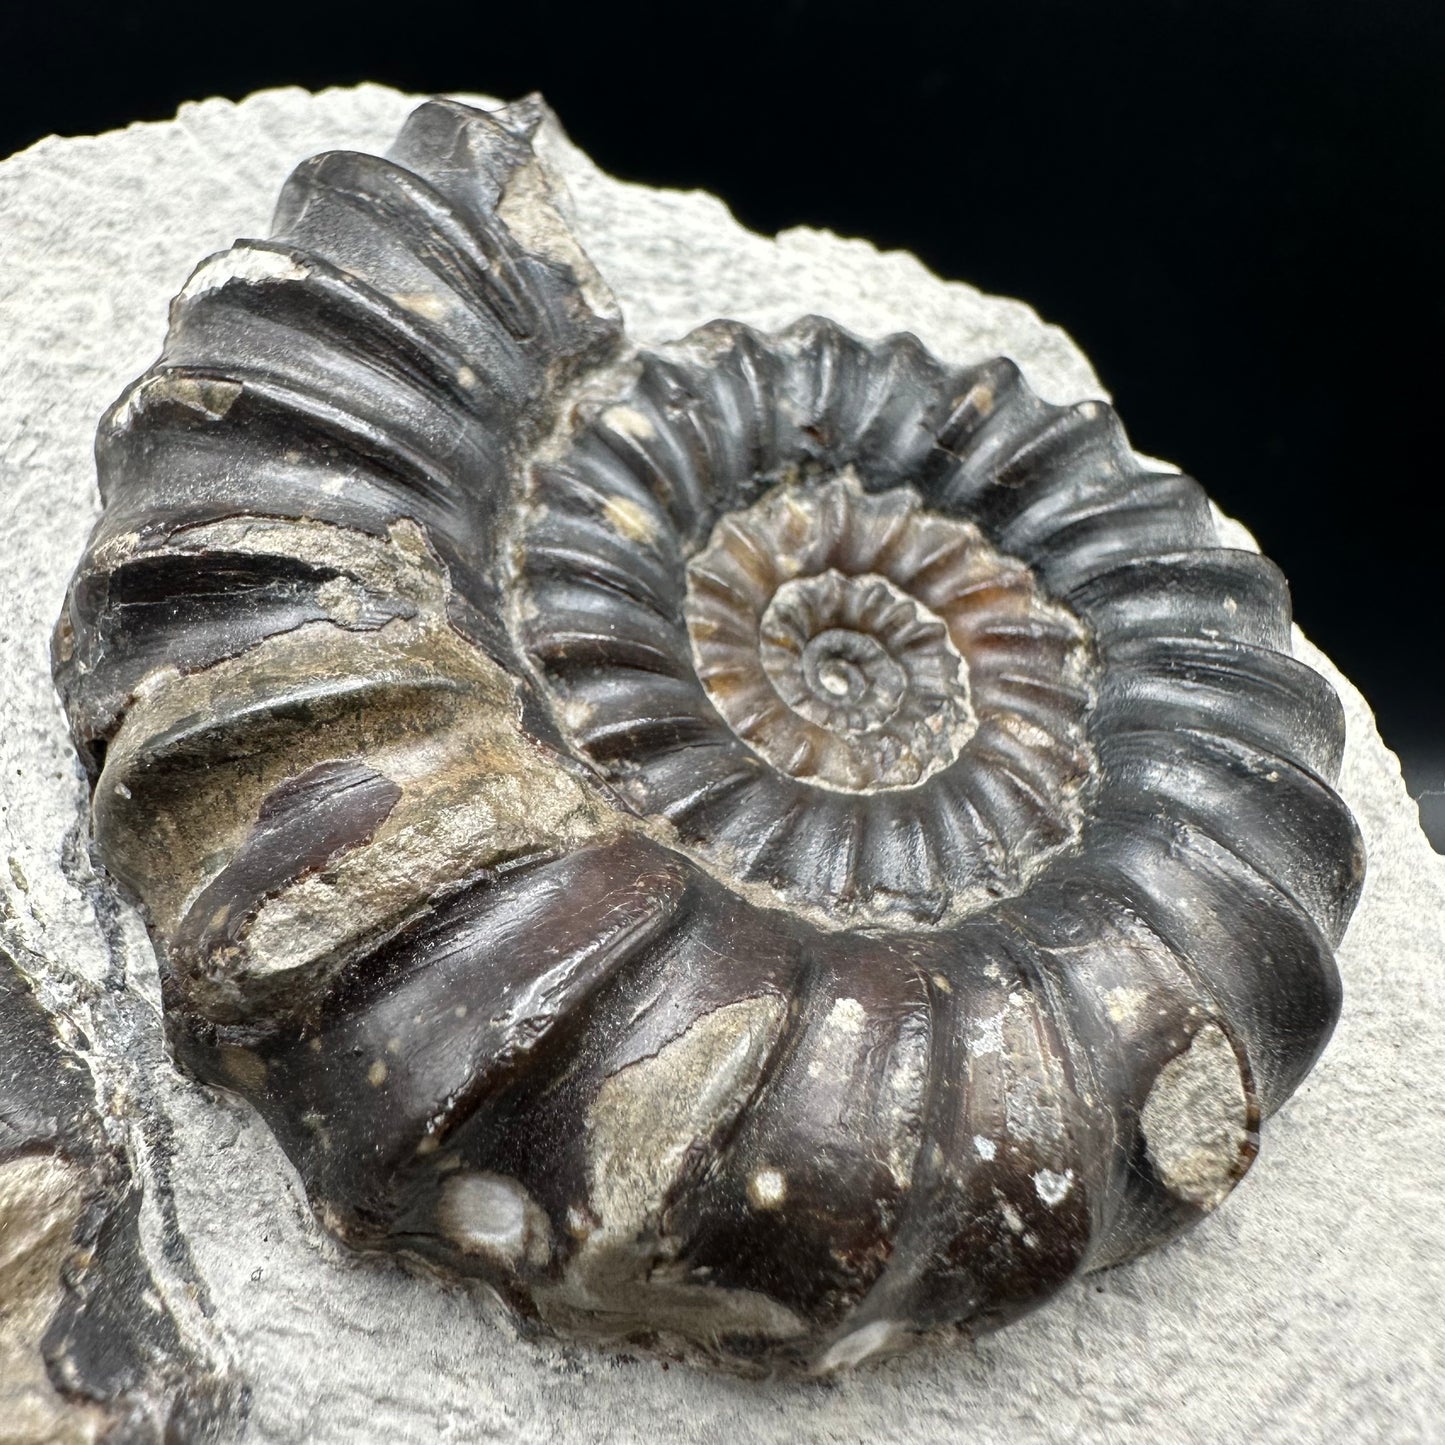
(1214, 911)
(1209, 779)
(436, 1082)
(1163, 681)
(1134, 1004)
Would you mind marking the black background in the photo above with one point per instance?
(1235, 207)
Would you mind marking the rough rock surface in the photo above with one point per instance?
(1306, 1309)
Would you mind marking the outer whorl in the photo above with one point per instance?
(761, 849)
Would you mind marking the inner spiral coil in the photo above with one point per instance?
(829, 669)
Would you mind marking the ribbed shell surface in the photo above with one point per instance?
(760, 849)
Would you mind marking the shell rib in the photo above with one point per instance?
(761, 849)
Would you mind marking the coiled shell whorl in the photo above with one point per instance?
(763, 848)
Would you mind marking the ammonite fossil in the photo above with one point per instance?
(764, 848)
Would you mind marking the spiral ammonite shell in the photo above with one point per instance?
(763, 849)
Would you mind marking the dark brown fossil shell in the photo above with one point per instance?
(764, 848)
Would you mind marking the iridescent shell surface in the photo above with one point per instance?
(762, 849)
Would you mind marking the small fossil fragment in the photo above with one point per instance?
(762, 848)
(89, 1349)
